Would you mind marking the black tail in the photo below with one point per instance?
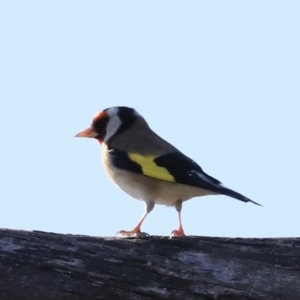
(228, 192)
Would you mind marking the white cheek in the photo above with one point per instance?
(112, 127)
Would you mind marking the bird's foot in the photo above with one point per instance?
(177, 232)
(133, 233)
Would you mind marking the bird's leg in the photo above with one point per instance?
(136, 231)
(179, 231)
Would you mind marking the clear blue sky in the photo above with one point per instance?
(218, 79)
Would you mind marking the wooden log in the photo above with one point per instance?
(43, 266)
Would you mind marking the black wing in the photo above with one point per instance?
(182, 169)
(186, 171)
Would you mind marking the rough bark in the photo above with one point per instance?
(43, 266)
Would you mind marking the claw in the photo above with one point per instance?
(178, 233)
(132, 233)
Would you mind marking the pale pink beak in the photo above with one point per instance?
(88, 133)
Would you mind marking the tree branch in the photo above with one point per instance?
(43, 266)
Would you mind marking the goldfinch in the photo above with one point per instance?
(147, 167)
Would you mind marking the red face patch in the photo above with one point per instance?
(99, 115)
(99, 124)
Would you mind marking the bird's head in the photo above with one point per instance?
(109, 122)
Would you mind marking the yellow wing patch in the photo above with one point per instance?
(150, 168)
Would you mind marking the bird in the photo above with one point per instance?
(147, 167)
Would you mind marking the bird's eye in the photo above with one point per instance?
(100, 124)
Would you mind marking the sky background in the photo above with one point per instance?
(218, 79)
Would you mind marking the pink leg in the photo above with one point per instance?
(179, 231)
(136, 231)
